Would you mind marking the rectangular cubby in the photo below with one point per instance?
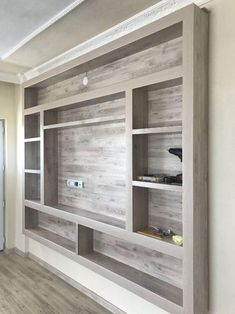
(32, 126)
(157, 208)
(149, 269)
(30, 97)
(158, 105)
(32, 187)
(56, 230)
(32, 155)
(151, 154)
(103, 109)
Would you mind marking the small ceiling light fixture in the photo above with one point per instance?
(85, 80)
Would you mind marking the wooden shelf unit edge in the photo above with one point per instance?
(155, 244)
(158, 130)
(154, 78)
(33, 171)
(108, 274)
(85, 122)
(158, 186)
(32, 139)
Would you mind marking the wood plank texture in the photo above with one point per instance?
(151, 60)
(32, 155)
(32, 186)
(148, 261)
(28, 288)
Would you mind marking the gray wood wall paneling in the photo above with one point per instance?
(152, 60)
(151, 262)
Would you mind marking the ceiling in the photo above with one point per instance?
(33, 31)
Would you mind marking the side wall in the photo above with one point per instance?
(221, 183)
(8, 113)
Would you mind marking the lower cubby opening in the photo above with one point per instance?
(157, 209)
(53, 229)
(32, 187)
(156, 272)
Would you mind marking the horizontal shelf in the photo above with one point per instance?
(94, 121)
(32, 171)
(54, 238)
(138, 279)
(158, 186)
(32, 139)
(162, 76)
(155, 244)
(158, 130)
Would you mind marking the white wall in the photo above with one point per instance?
(221, 183)
(8, 113)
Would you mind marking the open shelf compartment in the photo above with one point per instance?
(98, 110)
(156, 272)
(55, 230)
(32, 126)
(94, 154)
(32, 187)
(32, 155)
(157, 208)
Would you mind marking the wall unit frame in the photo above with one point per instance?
(147, 92)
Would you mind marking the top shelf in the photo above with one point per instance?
(155, 78)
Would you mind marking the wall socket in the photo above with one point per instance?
(76, 184)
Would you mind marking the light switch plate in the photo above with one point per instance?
(75, 184)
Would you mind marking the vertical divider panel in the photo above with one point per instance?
(129, 123)
(85, 240)
(42, 157)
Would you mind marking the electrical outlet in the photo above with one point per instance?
(76, 184)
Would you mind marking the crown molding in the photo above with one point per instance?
(42, 28)
(137, 21)
(10, 78)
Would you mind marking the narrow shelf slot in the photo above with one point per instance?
(153, 284)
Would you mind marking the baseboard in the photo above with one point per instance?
(92, 295)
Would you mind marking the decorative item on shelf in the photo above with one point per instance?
(156, 178)
(85, 80)
(156, 232)
(178, 179)
(177, 239)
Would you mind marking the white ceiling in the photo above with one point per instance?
(35, 31)
(23, 19)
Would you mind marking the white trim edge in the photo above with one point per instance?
(10, 78)
(42, 28)
(151, 14)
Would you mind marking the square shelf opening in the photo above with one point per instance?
(32, 187)
(95, 155)
(32, 155)
(151, 270)
(158, 105)
(158, 209)
(59, 231)
(151, 155)
(98, 110)
(32, 125)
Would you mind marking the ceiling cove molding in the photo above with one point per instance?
(42, 28)
(10, 78)
(137, 21)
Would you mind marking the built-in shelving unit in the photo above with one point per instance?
(146, 94)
